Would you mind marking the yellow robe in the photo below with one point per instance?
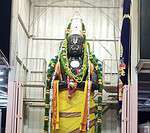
(70, 109)
(70, 112)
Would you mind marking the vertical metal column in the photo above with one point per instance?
(20, 108)
(133, 91)
(124, 110)
(10, 119)
(14, 111)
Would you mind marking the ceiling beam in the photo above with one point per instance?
(61, 6)
(61, 39)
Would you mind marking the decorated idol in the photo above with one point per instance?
(73, 77)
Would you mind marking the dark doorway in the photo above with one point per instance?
(5, 22)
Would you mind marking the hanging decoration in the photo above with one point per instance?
(126, 44)
(65, 63)
(125, 64)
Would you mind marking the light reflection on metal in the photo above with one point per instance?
(1, 72)
(4, 68)
(1, 79)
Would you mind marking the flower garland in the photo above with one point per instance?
(65, 63)
(51, 68)
(98, 67)
(89, 89)
(62, 57)
(49, 93)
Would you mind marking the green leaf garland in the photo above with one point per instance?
(79, 78)
(65, 63)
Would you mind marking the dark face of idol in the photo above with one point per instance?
(75, 46)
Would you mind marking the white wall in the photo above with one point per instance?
(20, 9)
(19, 38)
(18, 48)
(51, 22)
(111, 122)
(34, 120)
(23, 12)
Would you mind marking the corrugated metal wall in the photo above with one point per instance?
(110, 122)
(40, 34)
(19, 37)
(51, 22)
(23, 14)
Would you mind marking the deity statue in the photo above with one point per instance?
(74, 76)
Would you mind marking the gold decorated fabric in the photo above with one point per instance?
(70, 112)
(55, 107)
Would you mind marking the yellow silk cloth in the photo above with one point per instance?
(70, 112)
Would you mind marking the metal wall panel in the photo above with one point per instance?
(24, 11)
(110, 122)
(22, 43)
(34, 120)
(22, 16)
(51, 23)
(93, 3)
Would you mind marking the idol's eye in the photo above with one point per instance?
(72, 44)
